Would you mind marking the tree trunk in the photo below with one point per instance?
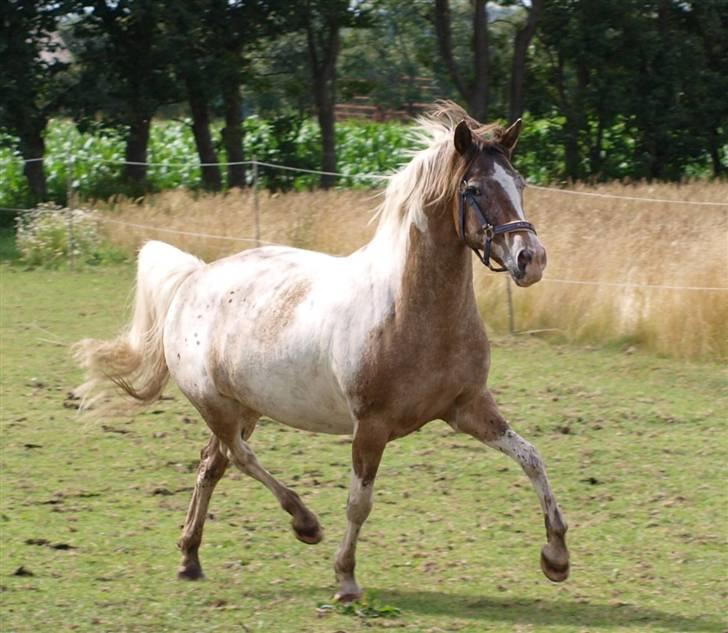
(595, 149)
(569, 129)
(444, 42)
(713, 149)
(326, 119)
(572, 155)
(137, 142)
(520, 52)
(32, 145)
(322, 58)
(232, 134)
(480, 93)
(211, 178)
(477, 92)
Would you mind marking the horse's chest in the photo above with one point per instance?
(418, 375)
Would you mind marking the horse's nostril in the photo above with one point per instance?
(524, 258)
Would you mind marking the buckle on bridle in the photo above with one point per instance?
(488, 231)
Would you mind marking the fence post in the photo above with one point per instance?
(69, 206)
(511, 327)
(256, 207)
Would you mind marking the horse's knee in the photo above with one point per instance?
(359, 504)
(480, 418)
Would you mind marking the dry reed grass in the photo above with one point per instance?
(589, 239)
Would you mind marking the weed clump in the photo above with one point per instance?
(50, 236)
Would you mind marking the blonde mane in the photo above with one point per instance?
(433, 174)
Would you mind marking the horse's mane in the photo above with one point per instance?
(433, 174)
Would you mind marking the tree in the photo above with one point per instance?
(708, 21)
(322, 21)
(244, 26)
(212, 40)
(640, 85)
(679, 103)
(397, 73)
(33, 80)
(124, 62)
(231, 29)
(188, 32)
(521, 43)
(475, 89)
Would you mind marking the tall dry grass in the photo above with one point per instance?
(599, 240)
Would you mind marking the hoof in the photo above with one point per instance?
(190, 573)
(309, 533)
(554, 570)
(348, 597)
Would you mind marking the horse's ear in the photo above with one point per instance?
(510, 136)
(463, 138)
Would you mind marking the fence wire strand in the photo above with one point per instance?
(161, 229)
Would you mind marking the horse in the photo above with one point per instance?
(373, 345)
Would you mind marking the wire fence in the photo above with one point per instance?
(255, 164)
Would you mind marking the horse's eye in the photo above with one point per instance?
(472, 189)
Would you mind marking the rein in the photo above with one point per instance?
(490, 231)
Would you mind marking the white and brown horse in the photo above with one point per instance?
(374, 345)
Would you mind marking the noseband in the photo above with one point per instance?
(467, 197)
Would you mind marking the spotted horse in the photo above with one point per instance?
(372, 345)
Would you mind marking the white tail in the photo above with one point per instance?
(134, 360)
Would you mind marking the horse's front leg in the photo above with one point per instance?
(366, 451)
(480, 418)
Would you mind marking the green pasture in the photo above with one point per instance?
(91, 509)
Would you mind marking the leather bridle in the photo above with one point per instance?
(490, 230)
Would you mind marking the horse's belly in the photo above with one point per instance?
(314, 420)
(305, 400)
(289, 377)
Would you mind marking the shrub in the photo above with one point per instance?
(50, 236)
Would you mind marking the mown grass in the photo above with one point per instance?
(635, 447)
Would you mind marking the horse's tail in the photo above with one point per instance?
(134, 360)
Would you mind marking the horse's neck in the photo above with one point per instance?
(433, 280)
(438, 274)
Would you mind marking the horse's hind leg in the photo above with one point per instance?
(212, 467)
(480, 418)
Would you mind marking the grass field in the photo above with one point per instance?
(91, 510)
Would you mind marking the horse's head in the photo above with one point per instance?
(489, 215)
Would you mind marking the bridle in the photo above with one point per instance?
(490, 230)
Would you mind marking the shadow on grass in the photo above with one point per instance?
(521, 611)
(540, 612)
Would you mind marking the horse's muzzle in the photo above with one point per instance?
(529, 265)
